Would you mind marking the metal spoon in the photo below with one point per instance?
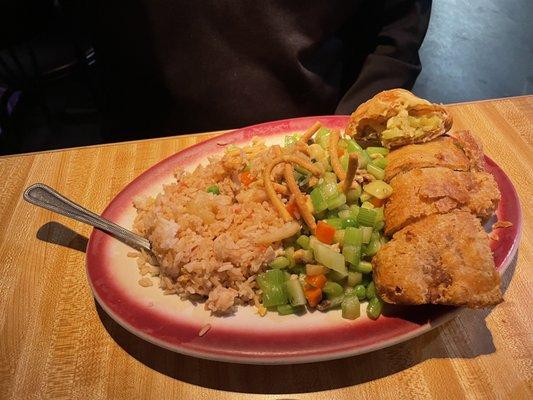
(44, 196)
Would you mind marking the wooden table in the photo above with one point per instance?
(57, 343)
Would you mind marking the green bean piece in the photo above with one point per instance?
(289, 254)
(303, 242)
(374, 308)
(364, 266)
(370, 291)
(374, 245)
(213, 189)
(360, 292)
(279, 262)
(287, 309)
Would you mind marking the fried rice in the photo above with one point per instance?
(211, 247)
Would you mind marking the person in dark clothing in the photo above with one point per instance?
(169, 67)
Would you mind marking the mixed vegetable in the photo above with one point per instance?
(339, 195)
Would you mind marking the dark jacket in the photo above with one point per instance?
(179, 66)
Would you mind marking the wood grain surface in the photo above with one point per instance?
(57, 343)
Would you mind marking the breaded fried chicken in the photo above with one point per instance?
(460, 151)
(441, 259)
(422, 192)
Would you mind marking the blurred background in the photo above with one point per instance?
(49, 94)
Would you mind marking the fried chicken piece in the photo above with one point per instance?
(460, 151)
(397, 117)
(441, 259)
(422, 192)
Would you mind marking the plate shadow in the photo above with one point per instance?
(319, 376)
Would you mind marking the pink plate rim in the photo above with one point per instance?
(280, 347)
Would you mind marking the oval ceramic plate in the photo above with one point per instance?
(246, 337)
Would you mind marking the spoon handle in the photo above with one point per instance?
(44, 196)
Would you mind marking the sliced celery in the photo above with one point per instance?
(379, 225)
(366, 217)
(368, 205)
(363, 158)
(345, 214)
(317, 198)
(334, 222)
(315, 269)
(335, 276)
(344, 161)
(380, 162)
(367, 233)
(353, 146)
(295, 292)
(291, 139)
(353, 236)
(279, 263)
(354, 278)
(379, 214)
(273, 292)
(276, 276)
(349, 222)
(378, 189)
(339, 236)
(377, 172)
(365, 197)
(330, 259)
(322, 137)
(332, 289)
(353, 194)
(330, 177)
(336, 202)
(351, 308)
(377, 150)
(354, 208)
(352, 254)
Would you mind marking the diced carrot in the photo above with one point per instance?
(313, 295)
(317, 281)
(376, 202)
(340, 152)
(246, 178)
(325, 232)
